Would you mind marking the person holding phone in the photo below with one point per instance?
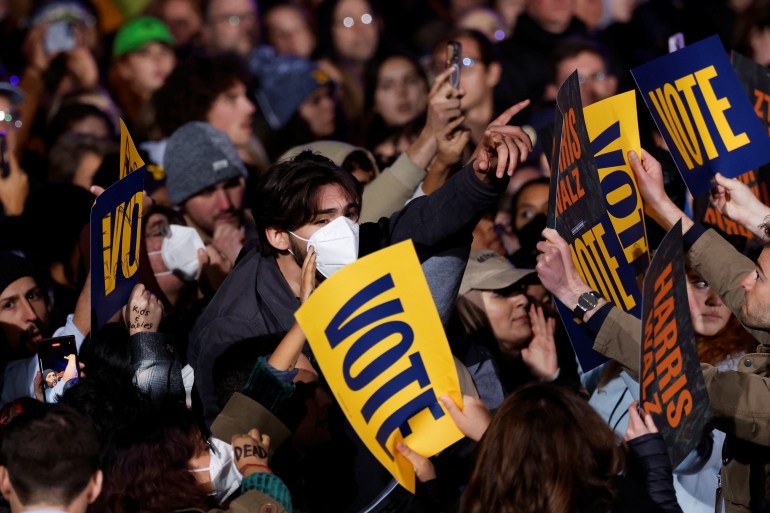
(479, 74)
(54, 385)
(24, 321)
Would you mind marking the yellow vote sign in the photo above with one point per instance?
(614, 131)
(378, 339)
(129, 157)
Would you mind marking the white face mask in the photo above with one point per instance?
(336, 245)
(179, 251)
(225, 478)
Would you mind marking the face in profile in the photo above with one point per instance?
(506, 310)
(232, 113)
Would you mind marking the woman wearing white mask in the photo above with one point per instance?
(160, 461)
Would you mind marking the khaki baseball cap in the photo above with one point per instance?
(487, 270)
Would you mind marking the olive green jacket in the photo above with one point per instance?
(739, 399)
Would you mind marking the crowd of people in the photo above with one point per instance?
(283, 140)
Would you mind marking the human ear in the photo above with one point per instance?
(94, 486)
(494, 72)
(277, 238)
(5, 483)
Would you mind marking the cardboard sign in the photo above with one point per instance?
(606, 232)
(756, 83)
(701, 110)
(375, 331)
(672, 387)
(129, 157)
(116, 230)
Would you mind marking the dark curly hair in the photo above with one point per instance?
(193, 86)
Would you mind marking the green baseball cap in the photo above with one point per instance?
(138, 32)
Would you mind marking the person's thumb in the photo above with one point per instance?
(727, 183)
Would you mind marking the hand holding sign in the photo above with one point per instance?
(649, 177)
(735, 199)
(556, 269)
(636, 426)
(143, 311)
(423, 468)
(473, 420)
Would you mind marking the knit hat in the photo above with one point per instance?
(72, 11)
(284, 83)
(12, 268)
(13, 92)
(47, 372)
(488, 270)
(137, 33)
(198, 156)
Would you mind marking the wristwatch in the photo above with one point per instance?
(586, 302)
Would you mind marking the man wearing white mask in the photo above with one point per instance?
(309, 201)
(206, 180)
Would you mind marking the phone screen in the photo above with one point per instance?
(454, 50)
(5, 159)
(59, 37)
(58, 364)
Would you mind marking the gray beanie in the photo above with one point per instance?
(198, 156)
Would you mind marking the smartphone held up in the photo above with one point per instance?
(58, 361)
(454, 52)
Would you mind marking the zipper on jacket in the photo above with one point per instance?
(718, 503)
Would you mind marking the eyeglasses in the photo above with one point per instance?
(235, 20)
(599, 76)
(349, 21)
(160, 229)
(10, 118)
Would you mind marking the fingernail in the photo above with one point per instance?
(632, 155)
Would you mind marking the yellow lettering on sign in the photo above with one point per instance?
(117, 238)
(374, 329)
(599, 269)
(677, 119)
(717, 108)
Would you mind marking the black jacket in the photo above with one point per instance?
(255, 299)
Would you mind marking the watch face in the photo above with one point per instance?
(587, 301)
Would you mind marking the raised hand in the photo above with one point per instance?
(423, 468)
(540, 355)
(503, 146)
(556, 269)
(143, 311)
(734, 199)
(657, 204)
(229, 240)
(472, 420)
(251, 452)
(637, 427)
(307, 286)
